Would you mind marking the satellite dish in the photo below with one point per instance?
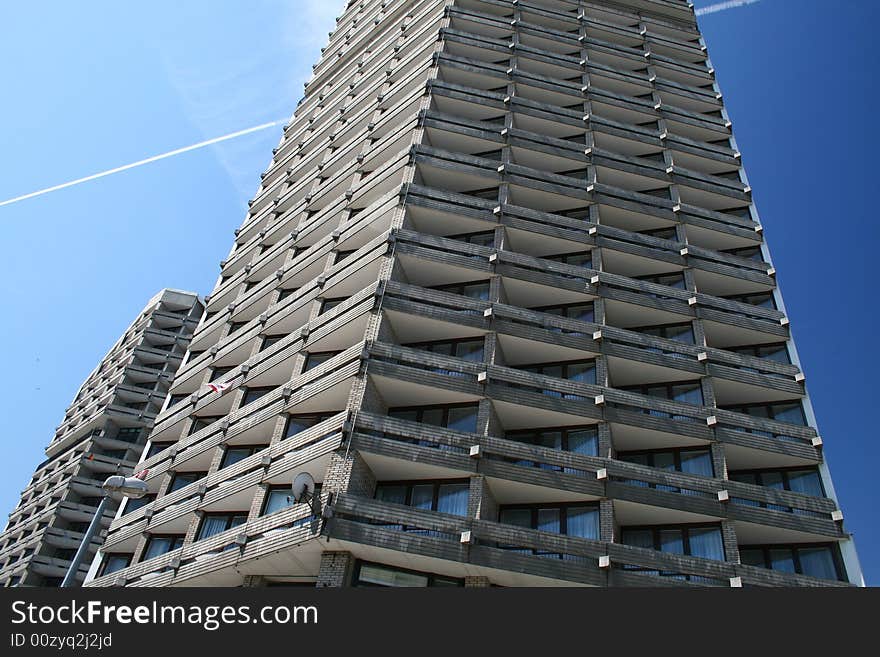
(303, 489)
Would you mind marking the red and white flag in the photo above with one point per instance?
(142, 475)
(220, 387)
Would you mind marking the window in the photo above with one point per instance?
(133, 504)
(200, 423)
(113, 562)
(761, 299)
(155, 448)
(482, 238)
(330, 304)
(683, 333)
(469, 349)
(575, 519)
(253, 394)
(580, 440)
(580, 311)
(270, 340)
(233, 455)
(822, 561)
(217, 372)
(774, 352)
(693, 540)
(317, 358)
(685, 393)
(791, 412)
(234, 326)
(342, 255)
(475, 290)
(129, 434)
(581, 371)
(675, 280)
(685, 460)
(182, 479)
(798, 480)
(283, 294)
(215, 523)
(459, 417)
(576, 259)
(666, 233)
(374, 574)
(298, 423)
(278, 497)
(160, 544)
(748, 252)
(441, 496)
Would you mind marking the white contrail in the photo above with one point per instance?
(148, 160)
(721, 6)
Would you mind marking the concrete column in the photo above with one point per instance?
(481, 502)
(731, 545)
(336, 570)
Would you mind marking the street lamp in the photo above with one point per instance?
(114, 486)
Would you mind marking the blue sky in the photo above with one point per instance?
(91, 86)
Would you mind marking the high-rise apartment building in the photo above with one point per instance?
(504, 294)
(103, 433)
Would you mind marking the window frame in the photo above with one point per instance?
(431, 577)
(795, 548)
(230, 516)
(174, 539)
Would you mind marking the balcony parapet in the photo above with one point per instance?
(491, 544)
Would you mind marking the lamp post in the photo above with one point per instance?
(114, 485)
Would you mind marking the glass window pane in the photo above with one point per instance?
(698, 462)
(549, 439)
(423, 496)
(688, 394)
(394, 493)
(792, 413)
(772, 480)
(404, 414)
(379, 576)
(212, 525)
(158, 545)
(582, 372)
(782, 559)
(480, 291)
(433, 416)
(583, 313)
(806, 482)
(584, 441)
(642, 538)
(472, 351)
(640, 459)
(583, 522)
(463, 419)
(817, 562)
(453, 498)
(671, 540)
(706, 543)
(277, 500)
(752, 557)
(548, 520)
(664, 460)
(235, 454)
(115, 562)
(681, 334)
(744, 477)
(517, 517)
